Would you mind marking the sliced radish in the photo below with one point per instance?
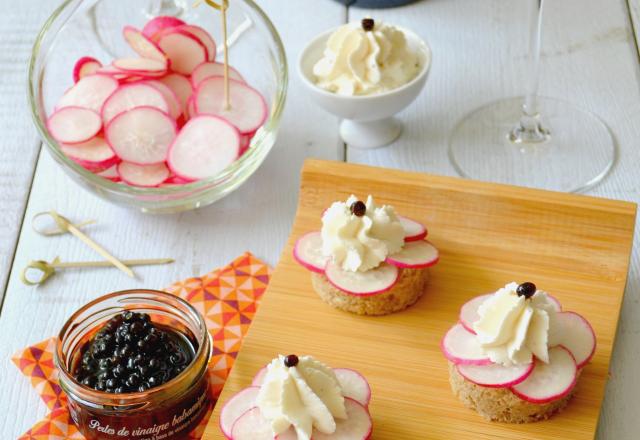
(549, 382)
(413, 230)
(259, 377)
(556, 303)
(245, 143)
(94, 155)
(184, 50)
(495, 375)
(248, 108)
(130, 96)
(90, 92)
(235, 407)
(252, 426)
(174, 104)
(415, 255)
(462, 347)
(354, 385)
(142, 45)
(357, 425)
(372, 282)
(469, 312)
(180, 85)
(204, 37)
(572, 331)
(110, 173)
(141, 135)
(205, 146)
(85, 66)
(73, 125)
(141, 66)
(117, 74)
(158, 24)
(308, 252)
(209, 69)
(143, 175)
(190, 112)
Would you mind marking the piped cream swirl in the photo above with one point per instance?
(512, 328)
(305, 396)
(360, 243)
(359, 62)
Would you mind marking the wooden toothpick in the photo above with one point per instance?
(222, 7)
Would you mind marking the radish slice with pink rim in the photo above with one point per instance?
(130, 96)
(141, 66)
(90, 92)
(85, 66)
(549, 382)
(209, 69)
(94, 155)
(73, 125)
(415, 255)
(204, 37)
(183, 49)
(259, 377)
(235, 407)
(180, 85)
(251, 426)
(574, 333)
(141, 135)
(462, 347)
(173, 103)
(248, 110)
(142, 45)
(495, 375)
(354, 385)
(205, 146)
(110, 173)
(372, 282)
(413, 230)
(157, 24)
(143, 175)
(357, 425)
(308, 252)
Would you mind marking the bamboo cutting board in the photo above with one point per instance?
(575, 247)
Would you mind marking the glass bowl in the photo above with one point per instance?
(94, 28)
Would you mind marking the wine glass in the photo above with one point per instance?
(533, 141)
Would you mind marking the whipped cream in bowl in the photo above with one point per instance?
(366, 72)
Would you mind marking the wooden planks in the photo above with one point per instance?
(575, 247)
(20, 143)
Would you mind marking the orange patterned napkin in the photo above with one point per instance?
(226, 297)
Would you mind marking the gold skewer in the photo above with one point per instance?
(48, 269)
(65, 225)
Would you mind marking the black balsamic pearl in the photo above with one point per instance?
(368, 24)
(358, 208)
(526, 289)
(291, 361)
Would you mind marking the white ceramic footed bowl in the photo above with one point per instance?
(368, 119)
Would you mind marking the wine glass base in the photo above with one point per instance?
(370, 134)
(577, 153)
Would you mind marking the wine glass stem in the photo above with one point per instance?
(529, 128)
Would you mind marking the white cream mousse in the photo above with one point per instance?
(366, 58)
(302, 393)
(514, 324)
(359, 236)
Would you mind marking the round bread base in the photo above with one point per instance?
(408, 289)
(500, 404)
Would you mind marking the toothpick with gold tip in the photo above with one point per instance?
(222, 7)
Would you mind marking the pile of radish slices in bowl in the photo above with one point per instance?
(571, 342)
(240, 417)
(160, 118)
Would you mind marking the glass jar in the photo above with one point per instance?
(169, 411)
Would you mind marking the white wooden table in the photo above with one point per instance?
(590, 57)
